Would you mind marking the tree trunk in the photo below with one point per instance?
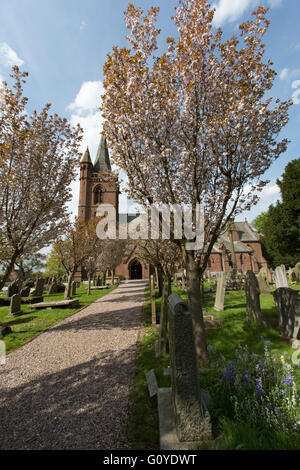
(89, 284)
(68, 290)
(195, 305)
(160, 280)
(163, 324)
(9, 268)
(113, 277)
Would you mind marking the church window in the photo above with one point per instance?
(98, 195)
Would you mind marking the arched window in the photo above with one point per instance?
(98, 195)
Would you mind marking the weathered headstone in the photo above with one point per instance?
(191, 415)
(253, 310)
(220, 294)
(262, 279)
(281, 277)
(15, 305)
(288, 310)
(13, 288)
(38, 288)
(152, 383)
(297, 271)
(25, 292)
(73, 288)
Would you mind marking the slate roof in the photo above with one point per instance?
(102, 161)
(86, 157)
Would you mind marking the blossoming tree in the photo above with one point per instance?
(193, 126)
(39, 156)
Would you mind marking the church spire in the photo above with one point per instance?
(102, 161)
(86, 157)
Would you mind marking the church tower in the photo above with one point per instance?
(98, 185)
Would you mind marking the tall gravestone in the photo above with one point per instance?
(297, 272)
(253, 310)
(38, 288)
(220, 294)
(263, 283)
(191, 415)
(281, 277)
(13, 288)
(74, 288)
(288, 310)
(15, 305)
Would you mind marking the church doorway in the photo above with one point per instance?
(135, 270)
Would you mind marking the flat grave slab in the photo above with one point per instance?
(59, 304)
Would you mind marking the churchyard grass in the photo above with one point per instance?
(235, 330)
(33, 322)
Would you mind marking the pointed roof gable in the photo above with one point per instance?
(102, 161)
(86, 157)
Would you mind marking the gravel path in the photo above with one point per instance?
(68, 388)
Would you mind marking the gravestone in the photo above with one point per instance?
(25, 292)
(288, 310)
(152, 383)
(220, 294)
(74, 288)
(297, 272)
(253, 310)
(262, 279)
(281, 277)
(5, 330)
(15, 305)
(13, 288)
(191, 415)
(38, 288)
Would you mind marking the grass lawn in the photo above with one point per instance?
(33, 322)
(143, 427)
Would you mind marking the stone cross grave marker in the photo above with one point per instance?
(220, 294)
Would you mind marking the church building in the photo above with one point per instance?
(98, 185)
(240, 246)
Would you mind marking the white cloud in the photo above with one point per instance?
(8, 57)
(269, 195)
(83, 24)
(232, 10)
(88, 98)
(275, 3)
(284, 74)
(296, 94)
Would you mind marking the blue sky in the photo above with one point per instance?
(63, 45)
